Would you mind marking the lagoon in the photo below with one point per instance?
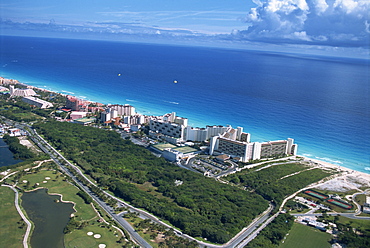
(49, 216)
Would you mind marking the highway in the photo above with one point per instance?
(243, 237)
(61, 161)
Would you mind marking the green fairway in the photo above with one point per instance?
(303, 236)
(56, 185)
(55, 182)
(80, 238)
(12, 227)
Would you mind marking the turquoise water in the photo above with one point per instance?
(321, 102)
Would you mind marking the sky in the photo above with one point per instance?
(331, 25)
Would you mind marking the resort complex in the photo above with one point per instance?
(156, 181)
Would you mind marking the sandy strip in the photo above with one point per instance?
(326, 165)
(346, 179)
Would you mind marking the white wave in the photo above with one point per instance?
(5, 65)
(367, 168)
(329, 160)
(83, 97)
(307, 155)
(129, 100)
(171, 102)
(69, 92)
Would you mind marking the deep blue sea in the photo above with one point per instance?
(321, 102)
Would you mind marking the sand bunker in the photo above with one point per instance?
(97, 236)
(102, 245)
(24, 181)
(44, 181)
(90, 233)
(47, 178)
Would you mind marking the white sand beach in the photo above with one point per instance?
(346, 180)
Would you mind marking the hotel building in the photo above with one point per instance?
(37, 102)
(123, 110)
(169, 127)
(243, 150)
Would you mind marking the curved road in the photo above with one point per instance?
(29, 225)
(59, 159)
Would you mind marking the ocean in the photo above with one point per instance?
(321, 102)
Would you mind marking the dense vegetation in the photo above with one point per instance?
(85, 196)
(272, 234)
(271, 184)
(352, 233)
(352, 238)
(17, 110)
(200, 206)
(19, 151)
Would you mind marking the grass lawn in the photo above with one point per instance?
(54, 182)
(361, 199)
(56, 185)
(303, 236)
(11, 232)
(79, 238)
(365, 224)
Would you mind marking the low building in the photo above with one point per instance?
(15, 132)
(37, 102)
(77, 115)
(366, 210)
(172, 155)
(3, 89)
(367, 202)
(85, 121)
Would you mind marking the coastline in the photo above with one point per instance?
(347, 179)
(327, 165)
(332, 162)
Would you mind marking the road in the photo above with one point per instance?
(241, 238)
(61, 161)
(29, 225)
(348, 215)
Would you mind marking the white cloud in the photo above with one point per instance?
(333, 22)
(320, 6)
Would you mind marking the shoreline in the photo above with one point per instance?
(327, 165)
(346, 180)
(57, 194)
(332, 164)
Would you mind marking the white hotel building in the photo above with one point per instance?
(37, 102)
(245, 150)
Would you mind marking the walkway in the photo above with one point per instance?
(29, 225)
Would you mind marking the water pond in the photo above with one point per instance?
(49, 215)
(6, 156)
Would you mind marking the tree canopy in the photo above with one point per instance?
(201, 207)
